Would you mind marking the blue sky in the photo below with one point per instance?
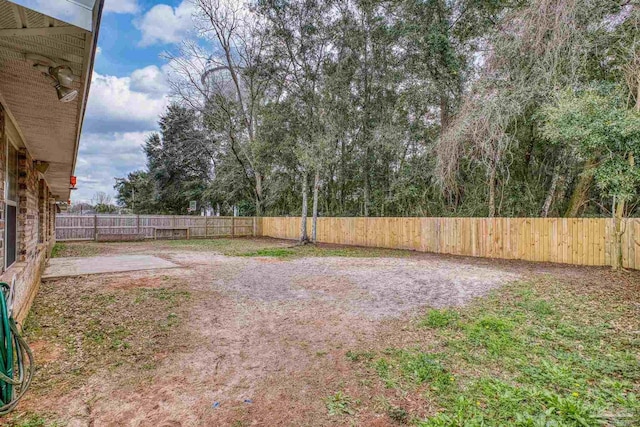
(129, 88)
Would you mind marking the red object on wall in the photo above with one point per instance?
(73, 181)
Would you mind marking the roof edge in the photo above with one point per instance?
(87, 84)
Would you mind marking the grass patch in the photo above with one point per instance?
(57, 249)
(93, 327)
(32, 420)
(248, 247)
(534, 354)
(272, 252)
(224, 246)
(397, 414)
(356, 356)
(76, 249)
(438, 318)
(303, 251)
(278, 249)
(340, 403)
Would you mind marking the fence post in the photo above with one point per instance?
(254, 226)
(233, 226)
(206, 227)
(95, 227)
(138, 224)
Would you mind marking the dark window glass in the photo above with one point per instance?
(11, 234)
(12, 174)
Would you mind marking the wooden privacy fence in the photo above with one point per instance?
(90, 227)
(583, 241)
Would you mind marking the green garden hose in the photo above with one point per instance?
(16, 358)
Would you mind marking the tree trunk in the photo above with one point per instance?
(304, 238)
(552, 190)
(314, 222)
(343, 175)
(618, 213)
(258, 194)
(581, 190)
(492, 192)
(366, 184)
(618, 216)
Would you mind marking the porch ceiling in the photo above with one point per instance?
(49, 129)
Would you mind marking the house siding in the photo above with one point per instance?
(35, 216)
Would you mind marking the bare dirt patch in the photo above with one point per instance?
(239, 340)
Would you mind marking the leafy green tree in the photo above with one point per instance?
(102, 203)
(179, 160)
(598, 121)
(136, 192)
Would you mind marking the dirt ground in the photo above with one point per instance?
(236, 340)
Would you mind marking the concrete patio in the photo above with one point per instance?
(81, 266)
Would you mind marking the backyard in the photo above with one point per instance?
(259, 332)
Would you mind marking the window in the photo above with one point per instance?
(42, 211)
(11, 200)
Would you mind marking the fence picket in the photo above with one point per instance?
(86, 227)
(564, 240)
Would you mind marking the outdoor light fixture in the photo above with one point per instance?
(73, 181)
(65, 94)
(62, 76)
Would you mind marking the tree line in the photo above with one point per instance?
(400, 108)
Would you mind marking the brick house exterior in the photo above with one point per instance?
(35, 226)
(40, 129)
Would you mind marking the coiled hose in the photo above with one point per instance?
(16, 359)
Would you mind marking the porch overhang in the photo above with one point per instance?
(49, 129)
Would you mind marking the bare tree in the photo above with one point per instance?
(101, 198)
(223, 80)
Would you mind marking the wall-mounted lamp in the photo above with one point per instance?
(61, 75)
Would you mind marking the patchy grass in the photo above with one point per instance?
(33, 420)
(320, 250)
(248, 247)
(224, 246)
(340, 403)
(57, 249)
(272, 252)
(76, 249)
(278, 248)
(83, 326)
(540, 353)
(439, 318)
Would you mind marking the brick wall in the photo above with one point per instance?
(43, 210)
(28, 212)
(34, 201)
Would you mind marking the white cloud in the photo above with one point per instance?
(121, 6)
(103, 157)
(151, 80)
(121, 112)
(164, 24)
(125, 104)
